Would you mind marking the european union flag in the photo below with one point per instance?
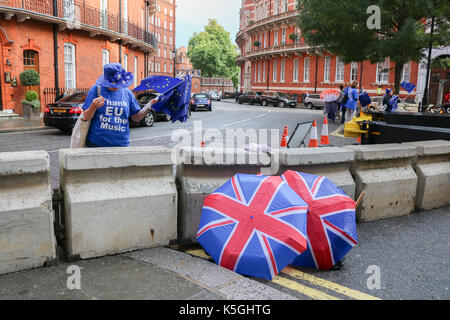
(175, 95)
(408, 86)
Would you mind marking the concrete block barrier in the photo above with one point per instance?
(26, 220)
(118, 199)
(386, 175)
(333, 163)
(200, 172)
(432, 167)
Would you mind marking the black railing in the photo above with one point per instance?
(51, 95)
(77, 12)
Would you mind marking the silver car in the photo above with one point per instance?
(313, 101)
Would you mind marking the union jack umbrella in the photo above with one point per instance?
(253, 225)
(330, 95)
(331, 220)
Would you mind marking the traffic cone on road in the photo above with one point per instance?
(286, 132)
(313, 143)
(283, 142)
(325, 139)
(202, 144)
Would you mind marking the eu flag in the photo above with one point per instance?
(408, 86)
(175, 95)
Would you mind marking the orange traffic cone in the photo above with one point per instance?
(324, 139)
(313, 143)
(283, 142)
(203, 144)
(358, 140)
(286, 132)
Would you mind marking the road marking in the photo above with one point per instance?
(328, 284)
(307, 291)
(237, 122)
(153, 137)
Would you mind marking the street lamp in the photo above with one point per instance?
(174, 62)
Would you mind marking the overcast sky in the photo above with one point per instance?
(193, 15)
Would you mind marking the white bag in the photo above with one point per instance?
(81, 129)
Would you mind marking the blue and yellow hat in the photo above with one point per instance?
(114, 76)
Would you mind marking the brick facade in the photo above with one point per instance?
(274, 56)
(130, 43)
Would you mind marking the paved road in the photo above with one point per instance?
(225, 116)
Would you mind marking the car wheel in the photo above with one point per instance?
(264, 103)
(167, 117)
(281, 104)
(310, 106)
(149, 120)
(240, 101)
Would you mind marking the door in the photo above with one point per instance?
(31, 61)
(104, 14)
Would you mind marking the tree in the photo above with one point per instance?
(212, 52)
(341, 28)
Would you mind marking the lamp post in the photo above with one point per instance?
(174, 62)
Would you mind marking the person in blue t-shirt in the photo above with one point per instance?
(351, 102)
(109, 105)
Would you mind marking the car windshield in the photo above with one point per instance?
(200, 96)
(283, 95)
(145, 98)
(78, 97)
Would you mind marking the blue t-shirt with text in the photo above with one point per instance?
(110, 125)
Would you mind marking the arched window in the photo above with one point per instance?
(105, 57)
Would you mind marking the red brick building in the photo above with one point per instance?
(163, 26)
(69, 41)
(274, 56)
(183, 64)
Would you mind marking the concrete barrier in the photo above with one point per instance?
(386, 175)
(433, 171)
(118, 199)
(201, 171)
(26, 221)
(333, 163)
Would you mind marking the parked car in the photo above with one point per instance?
(277, 99)
(250, 97)
(64, 113)
(215, 95)
(200, 101)
(313, 101)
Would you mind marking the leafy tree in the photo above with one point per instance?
(212, 52)
(340, 27)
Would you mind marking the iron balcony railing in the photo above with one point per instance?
(78, 13)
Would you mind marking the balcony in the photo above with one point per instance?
(75, 14)
(283, 50)
(265, 24)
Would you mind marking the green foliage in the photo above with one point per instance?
(293, 36)
(340, 27)
(30, 78)
(31, 95)
(213, 52)
(256, 43)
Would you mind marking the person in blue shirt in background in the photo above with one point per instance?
(109, 105)
(351, 102)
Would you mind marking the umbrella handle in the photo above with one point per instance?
(358, 202)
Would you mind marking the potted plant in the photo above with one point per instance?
(256, 43)
(293, 37)
(31, 104)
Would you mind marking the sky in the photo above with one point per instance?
(193, 15)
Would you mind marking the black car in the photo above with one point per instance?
(277, 99)
(64, 113)
(200, 101)
(250, 97)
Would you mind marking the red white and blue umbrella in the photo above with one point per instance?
(331, 220)
(330, 95)
(253, 225)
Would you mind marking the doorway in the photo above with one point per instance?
(31, 61)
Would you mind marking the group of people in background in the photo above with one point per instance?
(347, 103)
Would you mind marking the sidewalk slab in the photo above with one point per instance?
(17, 124)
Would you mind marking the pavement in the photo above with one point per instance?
(410, 253)
(18, 124)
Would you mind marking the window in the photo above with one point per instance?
(326, 72)
(340, 67)
(354, 71)
(135, 71)
(284, 6)
(165, 67)
(277, 7)
(264, 72)
(383, 71)
(259, 72)
(406, 72)
(104, 14)
(282, 70)
(170, 26)
(283, 36)
(274, 71)
(30, 58)
(69, 10)
(125, 16)
(295, 71)
(125, 62)
(275, 38)
(69, 66)
(306, 66)
(105, 57)
(265, 39)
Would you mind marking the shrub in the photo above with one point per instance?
(30, 78)
(31, 95)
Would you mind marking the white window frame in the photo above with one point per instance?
(326, 69)
(283, 71)
(306, 69)
(354, 72)
(295, 70)
(406, 72)
(283, 36)
(125, 16)
(264, 72)
(275, 71)
(340, 70)
(275, 38)
(105, 57)
(135, 71)
(125, 62)
(382, 76)
(259, 72)
(104, 14)
(70, 79)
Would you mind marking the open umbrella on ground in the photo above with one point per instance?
(253, 225)
(331, 220)
(330, 95)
